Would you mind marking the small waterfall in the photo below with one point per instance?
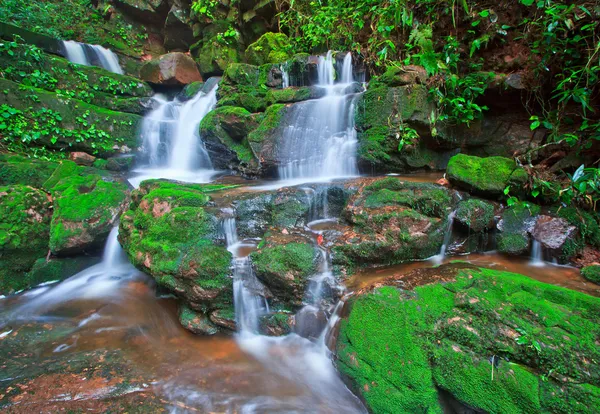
(320, 141)
(285, 76)
(103, 280)
(439, 258)
(171, 144)
(249, 305)
(537, 254)
(91, 55)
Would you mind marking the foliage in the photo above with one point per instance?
(581, 188)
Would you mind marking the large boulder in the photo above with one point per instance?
(269, 48)
(486, 176)
(171, 69)
(24, 233)
(392, 222)
(515, 226)
(15, 169)
(478, 340)
(86, 208)
(213, 54)
(475, 214)
(170, 233)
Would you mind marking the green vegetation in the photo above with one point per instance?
(591, 273)
(476, 214)
(458, 336)
(269, 48)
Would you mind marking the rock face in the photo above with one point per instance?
(496, 342)
(24, 232)
(171, 69)
(393, 222)
(485, 176)
(86, 208)
(170, 233)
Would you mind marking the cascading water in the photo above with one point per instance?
(537, 254)
(439, 258)
(320, 141)
(91, 55)
(171, 144)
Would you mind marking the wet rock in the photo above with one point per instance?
(82, 158)
(476, 317)
(212, 54)
(553, 232)
(24, 233)
(486, 176)
(269, 48)
(285, 265)
(225, 318)
(310, 322)
(277, 324)
(56, 269)
(86, 207)
(171, 69)
(515, 226)
(123, 163)
(393, 221)
(475, 214)
(170, 233)
(178, 31)
(196, 322)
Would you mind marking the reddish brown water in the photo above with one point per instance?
(564, 276)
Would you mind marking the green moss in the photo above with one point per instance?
(486, 176)
(288, 95)
(192, 89)
(476, 214)
(24, 228)
(214, 57)
(513, 243)
(269, 48)
(67, 168)
(268, 123)
(443, 336)
(15, 169)
(591, 273)
(57, 269)
(196, 322)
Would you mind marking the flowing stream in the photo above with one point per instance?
(91, 55)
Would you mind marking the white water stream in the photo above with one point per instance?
(92, 55)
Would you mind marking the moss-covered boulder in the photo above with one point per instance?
(495, 342)
(86, 208)
(592, 273)
(269, 48)
(475, 214)
(171, 69)
(16, 169)
(393, 221)
(285, 264)
(225, 132)
(24, 233)
(486, 176)
(214, 55)
(263, 139)
(196, 322)
(245, 86)
(515, 225)
(170, 233)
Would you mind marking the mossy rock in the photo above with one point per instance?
(475, 214)
(24, 233)
(591, 273)
(269, 48)
(393, 222)
(514, 244)
(170, 233)
(497, 342)
(515, 225)
(292, 94)
(57, 269)
(192, 89)
(61, 124)
(31, 67)
(224, 131)
(213, 56)
(86, 208)
(381, 114)
(16, 169)
(486, 176)
(286, 268)
(196, 322)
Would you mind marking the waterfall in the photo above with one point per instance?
(439, 258)
(248, 304)
(91, 55)
(285, 76)
(537, 254)
(319, 141)
(171, 144)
